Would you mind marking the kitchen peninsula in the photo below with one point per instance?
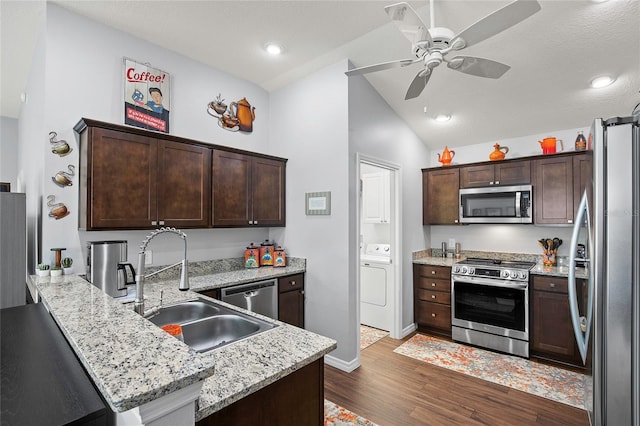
(135, 364)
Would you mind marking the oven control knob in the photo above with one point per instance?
(514, 274)
(472, 271)
(505, 274)
(464, 269)
(523, 275)
(456, 269)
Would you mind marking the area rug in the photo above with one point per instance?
(335, 415)
(370, 335)
(518, 373)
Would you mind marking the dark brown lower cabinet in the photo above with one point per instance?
(295, 399)
(291, 300)
(432, 298)
(552, 335)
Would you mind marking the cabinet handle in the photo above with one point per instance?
(497, 182)
(570, 221)
(153, 222)
(301, 291)
(433, 296)
(255, 222)
(433, 272)
(552, 285)
(293, 283)
(433, 284)
(162, 222)
(250, 222)
(433, 315)
(455, 221)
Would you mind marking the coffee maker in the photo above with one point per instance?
(106, 267)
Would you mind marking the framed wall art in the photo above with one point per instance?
(147, 96)
(318, 203)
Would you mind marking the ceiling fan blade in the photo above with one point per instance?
(498, 21)
(418, 84)
(408, 22)
(478, 66)
(383, 66)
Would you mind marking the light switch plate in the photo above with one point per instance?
(452, 243)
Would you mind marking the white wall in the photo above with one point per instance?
(314, 136)
(377, 132)
(504, 238)
(84, 63)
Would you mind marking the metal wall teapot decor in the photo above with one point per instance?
(447, 156)
(237, 116)
(498, 153)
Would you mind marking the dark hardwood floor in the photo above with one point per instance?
(392, 389)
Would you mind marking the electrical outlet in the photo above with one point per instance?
(452, 243)
(148, 260)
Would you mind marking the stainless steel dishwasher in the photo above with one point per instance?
(260, 297)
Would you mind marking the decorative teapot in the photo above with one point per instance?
(245, 114)
(548, 145)
(499, 152)
(447, 156)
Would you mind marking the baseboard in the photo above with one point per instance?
(347, 367)
(409, 329)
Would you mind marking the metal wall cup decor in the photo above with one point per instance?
(238, 116)
(62, 178)
(56, 210)
(59, 147)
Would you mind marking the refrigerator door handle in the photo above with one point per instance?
(581, 325)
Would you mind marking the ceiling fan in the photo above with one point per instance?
(431, 45)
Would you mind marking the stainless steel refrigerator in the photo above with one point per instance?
(13, 249)
(607, 326)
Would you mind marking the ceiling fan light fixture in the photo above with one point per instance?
(600, 82)
(273, 48)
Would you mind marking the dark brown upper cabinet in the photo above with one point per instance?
(248, 190)
(440, 196)
(501, 173)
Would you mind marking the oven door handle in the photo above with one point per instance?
(490, 282)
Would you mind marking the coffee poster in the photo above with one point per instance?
(147, 96)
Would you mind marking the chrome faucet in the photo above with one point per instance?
(138, 304)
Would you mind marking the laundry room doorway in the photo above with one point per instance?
(379, 297)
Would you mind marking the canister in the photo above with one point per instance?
(252, 256)
(266, 253)
(280, 258)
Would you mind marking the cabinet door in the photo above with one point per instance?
(440, 196)
(473, 176)
(183, 185)
(553, 190)
(268, 192)
(582, 176)
(513, 173)
(291, 300)
(231, 189)
(375, 198)
(121, 184)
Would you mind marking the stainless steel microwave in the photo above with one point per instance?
(497, 204)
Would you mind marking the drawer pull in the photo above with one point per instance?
(293, 283)
(433, 284)
(433, 296)
(433, 315)
(552, 285)
(433, 272)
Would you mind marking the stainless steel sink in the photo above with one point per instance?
(207, 326)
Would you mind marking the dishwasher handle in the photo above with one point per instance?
(247, 288)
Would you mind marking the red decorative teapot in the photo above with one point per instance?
(447, 156)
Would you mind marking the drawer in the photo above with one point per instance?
(552, 284)
(291, 282)
(432, 284)
(434, 315)
(441, 272)
(434, 296)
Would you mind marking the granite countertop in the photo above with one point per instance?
(424, 257)
(133, 362)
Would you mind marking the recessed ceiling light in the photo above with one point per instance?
(600, 82)
(442, 118)
(273, 48)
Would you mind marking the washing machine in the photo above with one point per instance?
(376, 287)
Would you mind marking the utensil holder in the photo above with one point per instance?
(549, 258)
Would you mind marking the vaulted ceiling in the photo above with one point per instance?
(553, 55)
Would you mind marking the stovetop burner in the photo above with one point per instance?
(498, 263)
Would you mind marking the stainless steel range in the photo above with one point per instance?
(490, 304)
